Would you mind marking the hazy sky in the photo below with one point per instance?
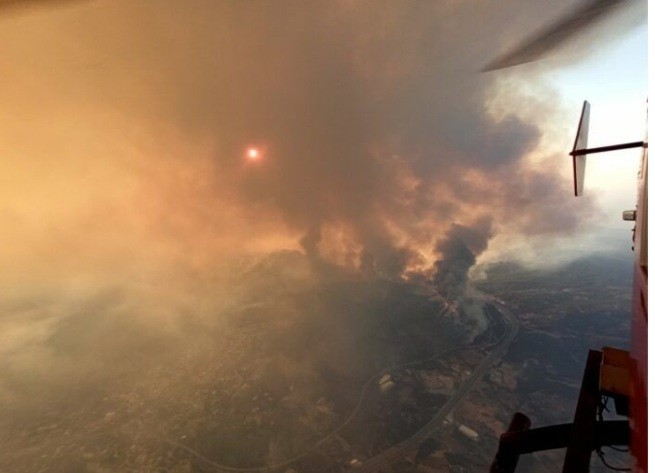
(615, 81)
(610, 73)
(132, 219)
(125, 127)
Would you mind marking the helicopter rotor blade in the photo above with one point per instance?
(556, 34)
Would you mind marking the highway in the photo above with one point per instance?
(395, 452)
(385, 458)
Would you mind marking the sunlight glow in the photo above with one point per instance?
(253, 154)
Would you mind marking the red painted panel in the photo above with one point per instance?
(639, 355)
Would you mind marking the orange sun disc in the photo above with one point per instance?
(253, 154)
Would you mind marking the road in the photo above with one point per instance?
(385, 458)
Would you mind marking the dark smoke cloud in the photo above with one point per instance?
(459, 249)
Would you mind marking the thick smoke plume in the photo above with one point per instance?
(459, 249)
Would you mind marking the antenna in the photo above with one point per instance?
(580, 150)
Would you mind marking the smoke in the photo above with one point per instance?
(459, 249)
(144, 256)
(375, 128)
(9, 6)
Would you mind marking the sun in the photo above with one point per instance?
(253, 153)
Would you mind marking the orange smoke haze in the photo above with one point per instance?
(124, 128)
(179, 178)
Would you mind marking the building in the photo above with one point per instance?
(385, 383)
(468, 432)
